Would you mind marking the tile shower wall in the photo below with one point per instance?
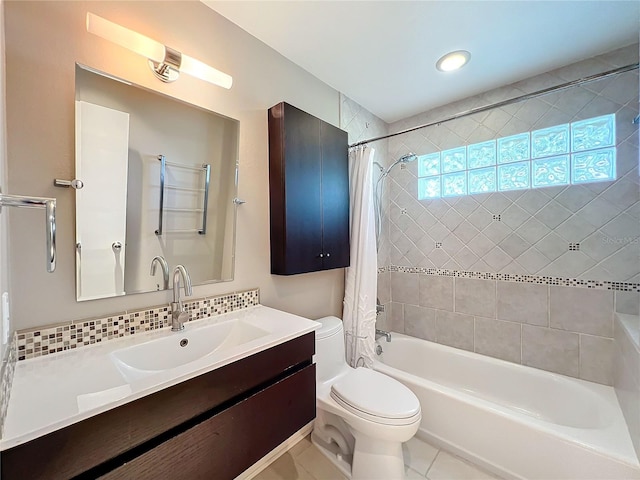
(562, 235)
(627, 372)
(361, 124)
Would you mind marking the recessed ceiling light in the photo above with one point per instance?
(453, 60)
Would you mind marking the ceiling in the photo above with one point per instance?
(382, 54)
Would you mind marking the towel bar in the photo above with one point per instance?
(49, 205)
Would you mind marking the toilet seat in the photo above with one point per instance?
(376, 397)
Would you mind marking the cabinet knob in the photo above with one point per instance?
(321, 255)
(328, 255)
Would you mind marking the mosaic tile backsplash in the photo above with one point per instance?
(36, 342)
(6, 379)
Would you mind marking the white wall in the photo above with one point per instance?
(44, 41)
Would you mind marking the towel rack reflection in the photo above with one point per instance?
(206, 168)
(49, 205)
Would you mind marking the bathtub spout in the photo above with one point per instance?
(382, 333)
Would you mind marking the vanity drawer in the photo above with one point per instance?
(80, 447)
(225, 445)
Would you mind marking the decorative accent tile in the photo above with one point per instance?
(551, 171)
(51, 339)
(550, 141)
(593, 166)
(514, 277)
(514, 148)
(482, 180)
(593, 133)
(429, 164)
(481, 154)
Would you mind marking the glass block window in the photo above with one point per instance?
(481, 154)
(550, 141)
(429, 187)
(593, 133)
(547, 172)
(593, 166)
(454, 160)
(571, 153)
(482, 180)
(454, 184)
(515, 176)
(514, 148)
(429, 165)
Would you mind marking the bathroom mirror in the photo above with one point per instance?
(158, 179)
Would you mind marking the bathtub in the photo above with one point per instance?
(516, 421)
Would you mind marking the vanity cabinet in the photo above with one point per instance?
(309, 192)
(215, 425)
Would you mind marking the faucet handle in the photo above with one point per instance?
(184, 317)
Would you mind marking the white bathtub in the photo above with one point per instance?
(516, 421)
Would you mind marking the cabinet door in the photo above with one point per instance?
(228, 443)
(335, 197)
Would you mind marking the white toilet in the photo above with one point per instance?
(363, 416)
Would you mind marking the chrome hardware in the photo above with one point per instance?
(382, 333)
(237, 201)
(75, 183)
(165, 270)
(321, 255)
(178, 315)
(328, 255)
(184, 342)
(116, 246)
(49, 205)
(206, 168)
(378, 349)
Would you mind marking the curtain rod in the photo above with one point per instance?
(503, 103)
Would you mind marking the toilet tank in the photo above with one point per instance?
(330, 355)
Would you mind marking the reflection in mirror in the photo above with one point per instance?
(159, 177)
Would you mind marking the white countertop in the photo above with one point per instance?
(52, 392)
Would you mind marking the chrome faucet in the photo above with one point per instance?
(178, 315)
(382, 333)
(165, 270)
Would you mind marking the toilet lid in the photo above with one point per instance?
(369, 393)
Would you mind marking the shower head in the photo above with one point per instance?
(409, 157)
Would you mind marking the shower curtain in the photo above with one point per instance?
(359, 310)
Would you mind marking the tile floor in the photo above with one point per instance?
(304, 461)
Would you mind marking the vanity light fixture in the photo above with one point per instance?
(453, 61)
(165, 62)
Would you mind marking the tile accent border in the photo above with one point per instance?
(6, 379)
(521, 278)
(50, 339)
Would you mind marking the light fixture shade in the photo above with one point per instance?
(204, 72)
(166, 62)
(126, 38)
(453, 61)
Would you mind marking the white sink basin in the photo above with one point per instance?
(180, 348)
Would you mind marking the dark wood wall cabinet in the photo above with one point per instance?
(309, 192)
(215, 425)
